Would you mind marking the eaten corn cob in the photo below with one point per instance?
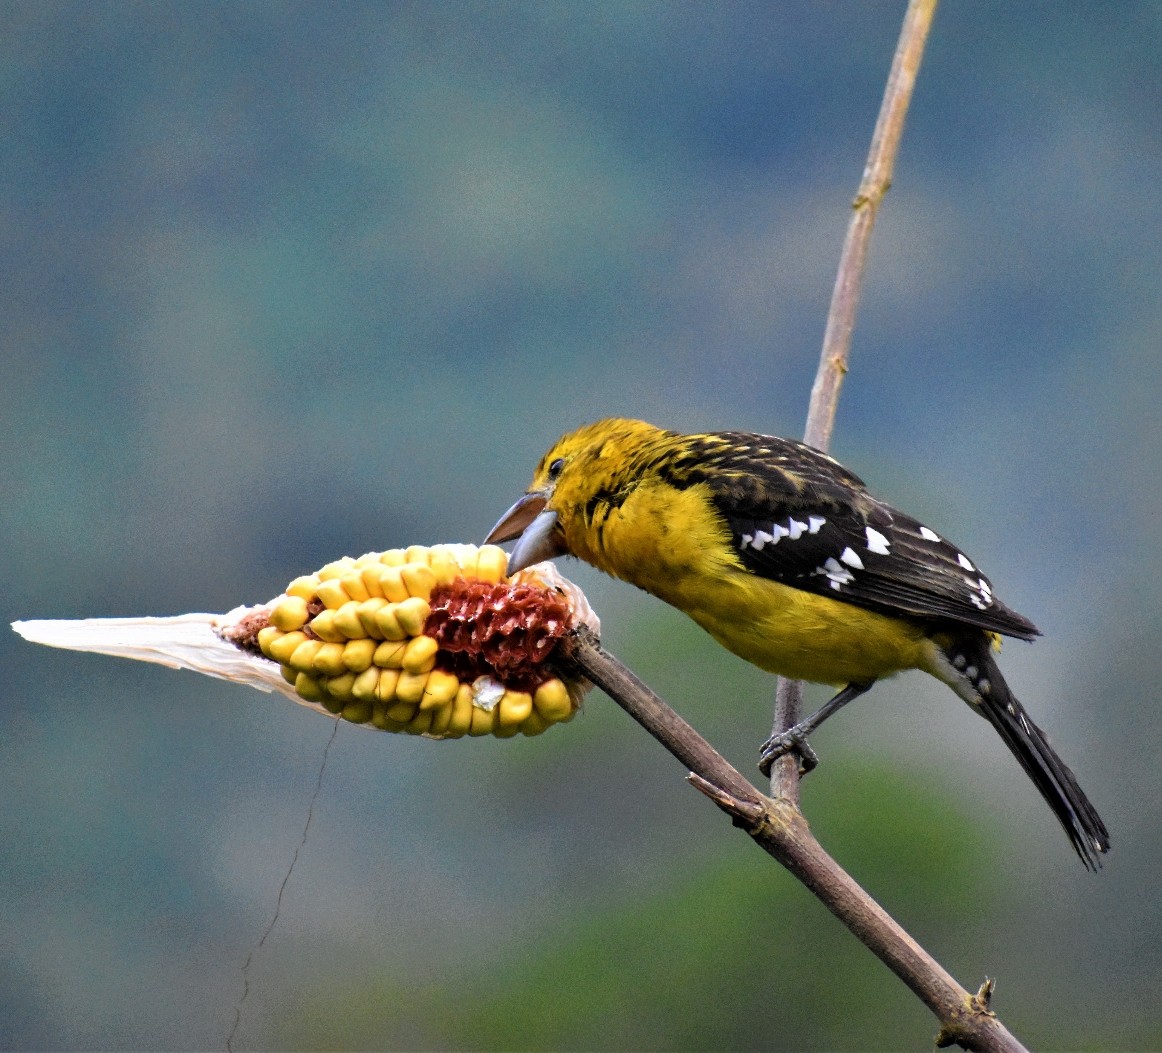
(431, 641)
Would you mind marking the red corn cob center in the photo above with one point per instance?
(501, 630)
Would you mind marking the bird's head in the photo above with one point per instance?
(594, 463)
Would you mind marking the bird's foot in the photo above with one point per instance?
(790, 741)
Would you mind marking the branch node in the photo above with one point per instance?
(964, 1024)
(984, 995)
(747, 814)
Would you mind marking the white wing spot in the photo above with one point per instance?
(971, 672)
(814, 523)
(761, 537)
(836, 573)
(929, 535)
(745, 540)
(876, 542)
(851, 558)
(964, 561)
(982, 593)
(796, 529)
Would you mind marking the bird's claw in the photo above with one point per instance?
(779, 745)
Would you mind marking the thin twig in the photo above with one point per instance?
(281, 890)
(877, 178)
(780, 829)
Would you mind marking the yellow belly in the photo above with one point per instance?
(807, 637)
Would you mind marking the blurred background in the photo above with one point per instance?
(288, 281)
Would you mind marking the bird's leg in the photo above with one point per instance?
(796, 738)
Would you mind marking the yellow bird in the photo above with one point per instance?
(781, 554)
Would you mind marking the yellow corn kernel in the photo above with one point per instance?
(329, 702)
(367, 559)
(282, 647)
(389, 654)
(370, 575)
(303, 587)
(513, 709)
(420, 724)
(288, 674)
(393, 557)
(482, 721)
(289, 613)
(332, 594)
(417, 554)
(419, 656)
(358, 711)
(366, 683)
(367, 611)
(412, 614)
(382, 721)
(461, 713)
(534, 724)
(266, 636)
(358, 655)
(391, 584)
(466, 558)
(410, 687)
(491, 563)
(441, 718)
(444, 566)
(385, 690)
(441, 688)
(303, 657)
(354, 587)
(306, 686)
(387, 621)
(336, 569)
(418, 579)
(552, 701)
(339, 687)
(329, 660)
(401, 712)
(323, 626)
(505, 731)
(348, 622)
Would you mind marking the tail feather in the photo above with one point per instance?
(1028, 743)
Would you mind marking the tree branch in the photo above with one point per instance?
(877, 178)
(780, 829)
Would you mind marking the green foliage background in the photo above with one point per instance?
(284, 281)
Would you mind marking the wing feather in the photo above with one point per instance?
(799, 517)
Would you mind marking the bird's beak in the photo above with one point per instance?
(535, 527)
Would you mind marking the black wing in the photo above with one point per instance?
(801, 518)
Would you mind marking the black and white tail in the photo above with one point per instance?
(973, 661)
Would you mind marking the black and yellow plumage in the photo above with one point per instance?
(781, 554)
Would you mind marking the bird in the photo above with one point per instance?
(783, 556)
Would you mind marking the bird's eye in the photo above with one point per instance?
(555, 469)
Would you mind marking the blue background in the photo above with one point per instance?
(286, 281)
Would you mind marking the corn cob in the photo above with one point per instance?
(431, 641)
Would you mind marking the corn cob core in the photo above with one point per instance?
(433, 641)
(500, 630)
